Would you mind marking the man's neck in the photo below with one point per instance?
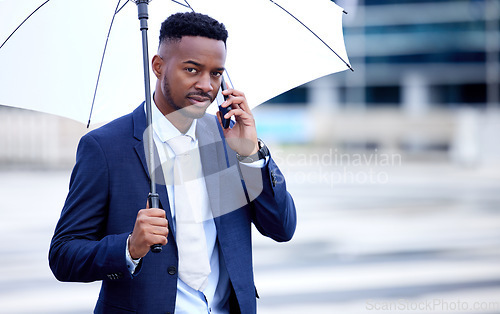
(179, 121)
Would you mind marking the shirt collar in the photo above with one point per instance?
(165, 130)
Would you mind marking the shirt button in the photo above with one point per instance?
(172, 270)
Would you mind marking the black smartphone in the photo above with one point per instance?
(223, 111)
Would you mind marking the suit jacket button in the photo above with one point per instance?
(172, 270)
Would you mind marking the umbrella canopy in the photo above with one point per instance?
(51, 63)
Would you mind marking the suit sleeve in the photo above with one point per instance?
(273, 209)
(79, 250)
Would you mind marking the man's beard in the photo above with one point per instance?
(184, 110)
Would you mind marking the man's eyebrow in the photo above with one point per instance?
(222, 69)
(193, 63)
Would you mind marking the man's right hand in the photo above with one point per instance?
(151, 227)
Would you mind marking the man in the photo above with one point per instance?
(105, 232)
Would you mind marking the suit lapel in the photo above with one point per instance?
(216, 159)
(139, 120)
(213, 158)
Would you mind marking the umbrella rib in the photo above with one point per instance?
(117, 11)
(41, 5)
(102, 59)
(312, 32)
(182, 4)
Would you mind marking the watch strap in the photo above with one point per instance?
(262, 153)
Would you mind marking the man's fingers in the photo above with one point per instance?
(151, 227)
(237, 98)
(152, 212)
(241, 115)
(160, 231)
(233, 92)
(159, 221)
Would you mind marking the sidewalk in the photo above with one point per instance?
(425, 239)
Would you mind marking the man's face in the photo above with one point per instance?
(190, 75)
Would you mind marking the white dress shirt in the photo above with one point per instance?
(214, 299)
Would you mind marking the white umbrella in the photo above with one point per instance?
(51, 63)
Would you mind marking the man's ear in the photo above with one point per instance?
(156, 65)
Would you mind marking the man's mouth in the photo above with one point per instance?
(199, 100)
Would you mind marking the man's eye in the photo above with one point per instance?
(216, 74)
(191, 70)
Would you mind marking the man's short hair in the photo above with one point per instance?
(191, 24)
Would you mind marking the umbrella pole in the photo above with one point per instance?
(153, 197)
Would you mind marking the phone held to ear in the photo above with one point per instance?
(223, 111)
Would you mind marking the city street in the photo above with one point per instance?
(383, 237)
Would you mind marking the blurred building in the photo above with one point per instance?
(413, 53)
(425, 74)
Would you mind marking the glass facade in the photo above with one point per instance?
(453, 46)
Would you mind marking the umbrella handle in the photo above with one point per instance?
(153, 197)
(154, 202)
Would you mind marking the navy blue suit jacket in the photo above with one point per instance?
(108, 186)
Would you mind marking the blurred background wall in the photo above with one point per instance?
(394, 168)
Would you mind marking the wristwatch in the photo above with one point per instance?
(262, 153)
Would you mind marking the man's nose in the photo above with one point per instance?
(204, 83)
